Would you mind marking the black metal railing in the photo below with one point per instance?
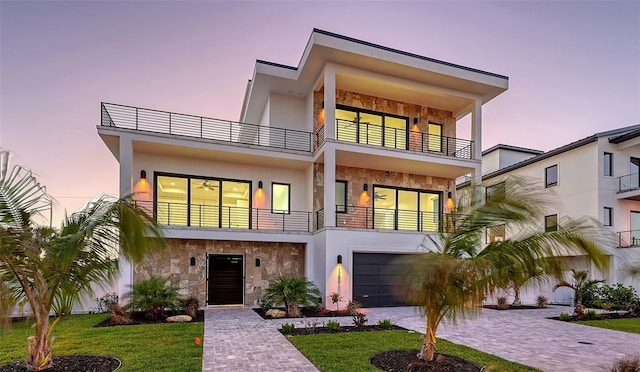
(121, 116)
(319, 220)
(629, 238)
(218, 216)
(629, 182)
(319, 138)
(385, 136)
(389, 219)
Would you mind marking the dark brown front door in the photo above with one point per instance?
(225, 280)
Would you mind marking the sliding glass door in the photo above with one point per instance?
(371, 128)
(406, 209)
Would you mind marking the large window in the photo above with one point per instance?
(551, 176)
(406, 209)
(203, 202)
(280, 198)
(341, 196)
(370, 127)
(608, 164)
(551, 223)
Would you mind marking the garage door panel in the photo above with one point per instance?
(375, 279)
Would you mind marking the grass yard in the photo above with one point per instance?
(152, 347)
(351, 351)
(631, 325)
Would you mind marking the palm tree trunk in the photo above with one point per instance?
(428, 351)
(292, 309)
(38, 346)
(516, 297)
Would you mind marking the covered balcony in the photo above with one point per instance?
(226, 217)
(627, 239)
(164, 122)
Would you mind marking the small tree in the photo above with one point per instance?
(293, 292)
(51, 269)
(581, 283)
(457, 272)
(153, 296)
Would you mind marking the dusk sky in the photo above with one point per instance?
(573, 67)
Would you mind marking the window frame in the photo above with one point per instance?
(363, 139)
(488, 229)
(280, 211)
(547, 227)
(607, 212)
(607, 159)
(346, 189)
(548, 184)
(501, 186)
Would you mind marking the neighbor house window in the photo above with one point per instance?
(280, 198)
(551, 176)
(551, 223)
(341, 196)
(495, 233)
(608, 164)
(494, 191)
(607, 218)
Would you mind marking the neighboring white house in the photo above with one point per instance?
(335, 167)
(598, 177)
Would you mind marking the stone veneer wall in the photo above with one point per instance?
(423, 113)
(276, 259)
(357, 177)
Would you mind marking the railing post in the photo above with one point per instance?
(283, 214)
(136, 118)
(201, 136)
(285, 138)
(169, 123)
(257, 219)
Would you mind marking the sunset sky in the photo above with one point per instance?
(574, 67)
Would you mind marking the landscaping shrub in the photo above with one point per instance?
(626, 364)
(565, 317)
(332, 325)
(502, 303)
(542, 301)
(359, 320)
(592, 314)
(612, 297)
(385, 323)
(288, 328)
(153, 296)
(120, 315)
(107, 302)
(191, 306)
(264, 304)
(353, 306)
(578, 312)
(293, 292)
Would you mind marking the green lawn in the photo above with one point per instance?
(153, 347)
(352, 351)
(631, 325)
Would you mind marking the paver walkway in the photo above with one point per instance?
(237, 339)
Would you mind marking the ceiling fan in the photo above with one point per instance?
(377, 196)
(206, 185)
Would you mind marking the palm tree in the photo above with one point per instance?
(51, 269)
(293, 292)
(581, 283)
(458, 273)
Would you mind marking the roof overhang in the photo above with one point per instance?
(425, 74)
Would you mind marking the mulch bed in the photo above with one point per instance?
(602, 316)
(511, 307)
(399, 361)
(308, 312)
(140, 318)
(301, 331)
(72, 363)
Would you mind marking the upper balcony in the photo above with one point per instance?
(628, 186)
(398, 138)
(164, 122)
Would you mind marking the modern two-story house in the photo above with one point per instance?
(335, 167)
(597, 177)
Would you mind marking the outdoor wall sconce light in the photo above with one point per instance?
(257, 262)
(143, 174)
(415, 120)
(192, 261)
(323, 104)
(365, 188)
(260, 184)
(450, 205)
(339, 259)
